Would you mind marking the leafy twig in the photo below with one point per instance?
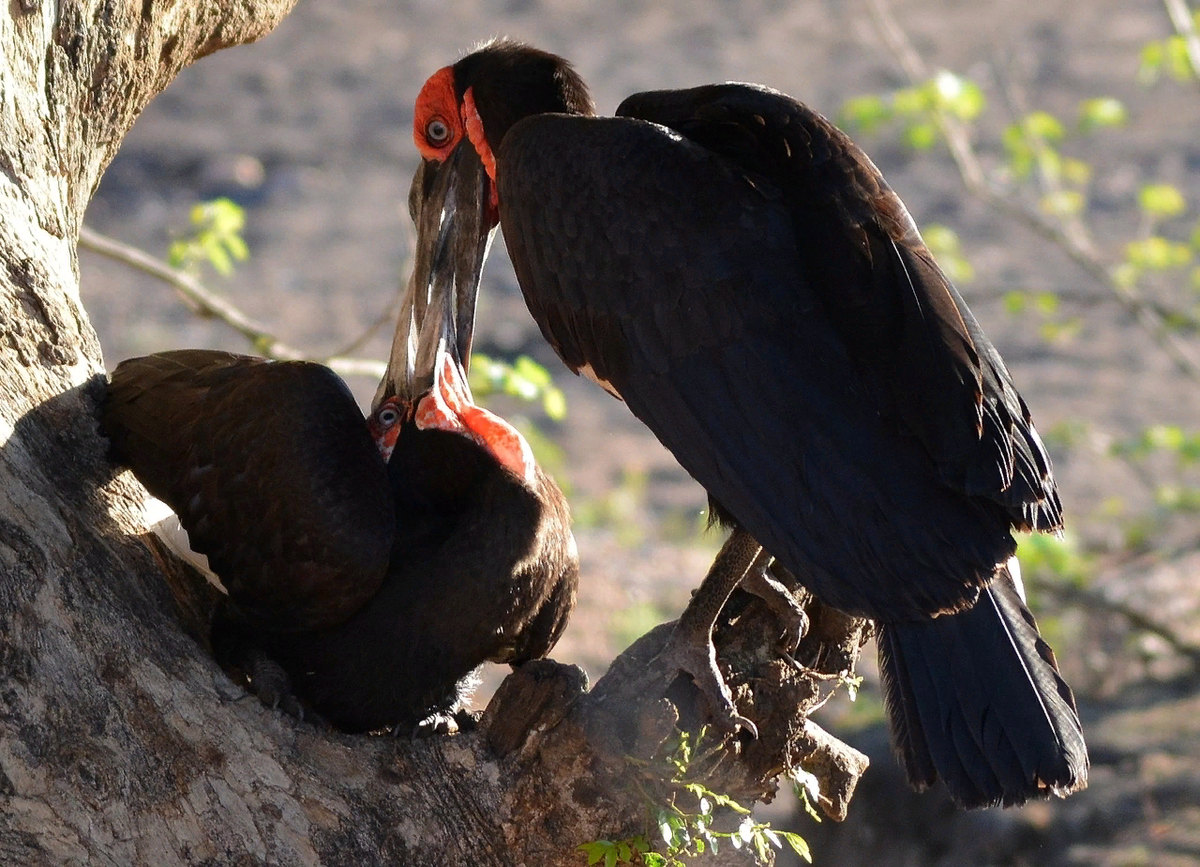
(206, 303)
(957, 136)
(1185, 26)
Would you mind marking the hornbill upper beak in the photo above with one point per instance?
(449, 203)
(426, 377)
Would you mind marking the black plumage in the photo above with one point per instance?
(737, 271)
(375, 588)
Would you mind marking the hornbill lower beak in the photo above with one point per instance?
(426, 377)
(449, 203)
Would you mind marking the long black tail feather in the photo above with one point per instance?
(975, 699)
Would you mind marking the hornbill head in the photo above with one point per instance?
(461, 116)
(425, 383)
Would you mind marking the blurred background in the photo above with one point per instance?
(1048, 149)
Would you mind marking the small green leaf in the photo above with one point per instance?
(760, 848)
(1045, 303)
(1014, 138)
(1161, 200)
(1157, 253)
(798, 844)
(177, 254)
(912, 101)
(960, 96)
(237, 248)
(1063, 203)
(1101, 111)
(941, 239)
(668, 832)
(214, 250)
(1050, 163)
(1076, 171)
(1020, 152)
(1178, 498)
(653, 859)
(1045, 126)
(1179, 62)
(1168, 437)
(921, 136)
(1127, 273)
(726, 801)
(595, 850)
(865, 113)
(532, 371)
(1153, 55)
(807, 783)
(1058, 557)
(1015, 302)
(555, 403)
(944, 244)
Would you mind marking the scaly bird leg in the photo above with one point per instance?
(690, 648)
(771, 591)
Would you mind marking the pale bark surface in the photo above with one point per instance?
(121, 742)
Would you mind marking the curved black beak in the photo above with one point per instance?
(448, 203)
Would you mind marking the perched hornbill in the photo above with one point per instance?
(365, 578)
(731, 266)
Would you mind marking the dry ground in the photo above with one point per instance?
(310, 131)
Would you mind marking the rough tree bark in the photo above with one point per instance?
(121, 742)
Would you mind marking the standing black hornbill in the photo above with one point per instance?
(370, 565)
(731, 266)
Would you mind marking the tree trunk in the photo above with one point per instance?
(121, 741)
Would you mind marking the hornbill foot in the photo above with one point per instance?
(273, 687)
(696, 656)
(783, 604)
(690, 648)
(442, 723)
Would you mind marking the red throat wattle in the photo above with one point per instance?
(476, 135)
(449, 407)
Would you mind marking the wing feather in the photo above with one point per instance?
(755, 390)
(272, 472)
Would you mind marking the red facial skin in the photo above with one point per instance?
(449, 407)
(440, 121)
(384, 425)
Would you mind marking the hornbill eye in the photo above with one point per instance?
(387, 416)
(437, 132)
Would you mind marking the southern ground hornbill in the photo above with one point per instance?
(731, 266)
(370, 565)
